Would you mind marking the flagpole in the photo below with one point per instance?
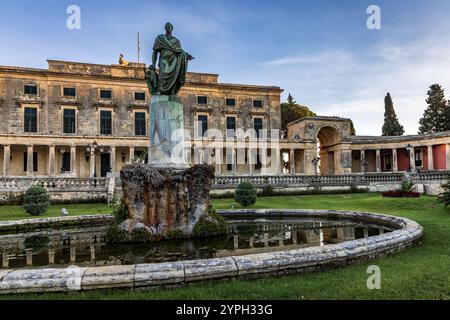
(139, 48)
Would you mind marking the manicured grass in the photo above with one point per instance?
(421, 272)
(18, 213)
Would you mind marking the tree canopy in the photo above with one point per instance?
(437, 114)
(391, 126)
(291, 111)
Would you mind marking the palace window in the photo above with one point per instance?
(105, 122)
(257, 103)
(230, 102)
(139, 96)
(69, 121)
(203, 125)
(69, 92)
(30, 90)
(258, 125)
(418, 157)
(140, 124)
(30, 119)
(65, 163)
(231, 127)
(202, 100)
(106, 94)
(35, 161)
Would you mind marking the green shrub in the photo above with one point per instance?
(36, 201)
(116, 235)
(407, 186)
(245, 194)
(268, 191)
(444, 198)
(141, 235)
(210, 226)
(120, 211)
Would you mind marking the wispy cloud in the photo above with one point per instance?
(328, 57)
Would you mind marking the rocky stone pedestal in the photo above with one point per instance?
(165, 201)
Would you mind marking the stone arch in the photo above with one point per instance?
(328, 137)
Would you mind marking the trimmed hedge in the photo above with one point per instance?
(245, 194)
(36, 201)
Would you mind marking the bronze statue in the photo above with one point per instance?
(173, 63)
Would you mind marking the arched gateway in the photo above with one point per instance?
(327, 138)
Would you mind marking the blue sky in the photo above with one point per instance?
(319, 50)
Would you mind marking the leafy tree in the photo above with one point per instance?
(36, 201)
(352, 129)
(291, 111)
(444, 197)
(391, 126)
(447, 117)
(433, 119)
(245, 194)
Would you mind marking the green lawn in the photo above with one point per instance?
(421, 272)
(18, 213)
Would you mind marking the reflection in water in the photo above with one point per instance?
(87, 247)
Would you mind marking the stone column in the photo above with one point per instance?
(73, 161)
(361, 160)
(250, 161)
(219, 161)
(234, 161)
(430, 158)
(412, 160)
(6, 159)
(378, 151)
(51, 160)
(394, 160)
(30, 160)
(448, 156)
(131, 155)
(264, 161)
(113, 160)
(292, 161)
(276, 161)
(92, 164)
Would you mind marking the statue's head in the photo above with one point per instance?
(169, 27)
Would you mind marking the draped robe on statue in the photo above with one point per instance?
(173, 63)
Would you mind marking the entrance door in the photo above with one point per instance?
(330, 162)
(105, 164)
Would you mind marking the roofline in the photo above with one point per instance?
(48, 72)
(322, 118)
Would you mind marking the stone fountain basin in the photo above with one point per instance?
(141, 276)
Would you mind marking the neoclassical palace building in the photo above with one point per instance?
(86, 120)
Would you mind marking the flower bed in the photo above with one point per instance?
(401, 194)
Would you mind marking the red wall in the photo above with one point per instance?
(425, 158)
(402, 159)
(439, 156)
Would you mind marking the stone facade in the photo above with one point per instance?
(85, 120)
(41, 145)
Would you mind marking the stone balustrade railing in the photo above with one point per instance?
(21, 184)
(225, 182)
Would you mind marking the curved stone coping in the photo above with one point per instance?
(56, 222)
(139, 276)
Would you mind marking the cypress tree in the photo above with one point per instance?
(434, 117)
(391, 126)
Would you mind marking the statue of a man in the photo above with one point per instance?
(173, 63)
